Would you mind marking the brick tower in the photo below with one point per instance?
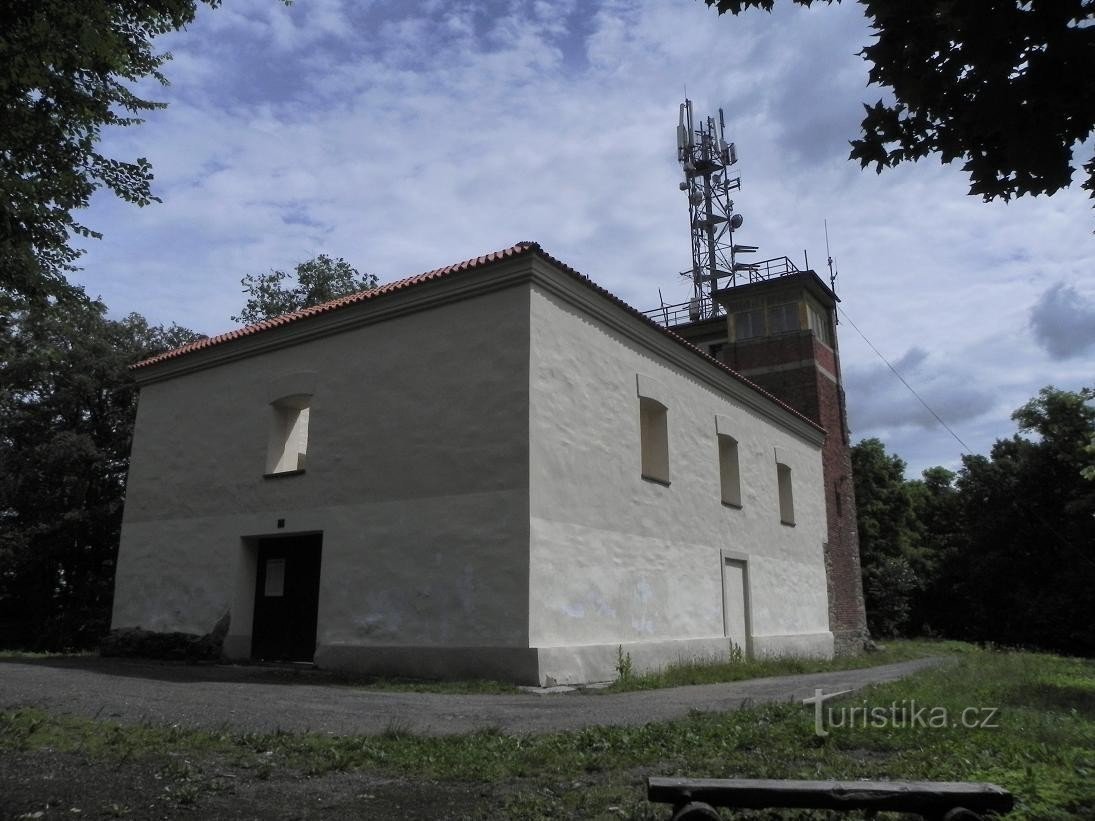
(779, 331)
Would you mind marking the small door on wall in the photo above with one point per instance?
(286, 598)
(735, 603)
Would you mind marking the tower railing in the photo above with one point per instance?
(681, 313)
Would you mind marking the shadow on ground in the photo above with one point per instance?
(183, 672)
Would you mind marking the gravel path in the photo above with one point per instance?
(261, 700)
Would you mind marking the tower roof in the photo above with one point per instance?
(807, 279)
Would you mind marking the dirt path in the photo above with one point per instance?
(253, 699)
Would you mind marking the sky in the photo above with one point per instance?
(405, 136)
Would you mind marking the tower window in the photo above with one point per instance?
(288, 443)
(819, 323)
(749, 324)
(729, 472)
(654, 435)
(783, 318)
(786, 494)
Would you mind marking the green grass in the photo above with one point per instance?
(11, 655)
(1043, 748)
(703, 671)
(715, 671)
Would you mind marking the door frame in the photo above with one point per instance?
(725, 558)
(253, 550)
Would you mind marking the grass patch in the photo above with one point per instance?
(15, 655)
(704, 671)
(1042, 749)
(717, 671)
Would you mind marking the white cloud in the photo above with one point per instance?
(1063, 321)
(404, 137)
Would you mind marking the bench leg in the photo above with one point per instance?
(695, 811)
(961, 814)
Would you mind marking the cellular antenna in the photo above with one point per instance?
(706, 159)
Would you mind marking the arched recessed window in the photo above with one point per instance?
(288, 443)
(786, 494)
(729, 472)
(654, 400)
(654, 435)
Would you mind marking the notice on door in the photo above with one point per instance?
(275, 578)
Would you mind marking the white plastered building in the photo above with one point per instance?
(496, 469)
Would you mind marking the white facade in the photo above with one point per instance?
(473, 463)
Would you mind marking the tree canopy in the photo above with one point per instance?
(67, 406)
(1003, 85)
(884, 517)
(68, 70)
(1002, 551)
(318, 280)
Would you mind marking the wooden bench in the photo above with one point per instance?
(695, 799)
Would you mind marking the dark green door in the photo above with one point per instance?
(286, 598)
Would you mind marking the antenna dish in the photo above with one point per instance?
(736, 221)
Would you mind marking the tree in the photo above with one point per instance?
(1004, 85)
(318, 280)
(937, 538)
(67, 66)
(884, 518)
(1025, 574)
(1002, 552)
(67, 406)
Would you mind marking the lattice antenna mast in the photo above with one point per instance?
(707, 158)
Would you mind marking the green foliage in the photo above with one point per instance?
(68, 70)
(884, 513)
(1024, 573)
(739, 668)
(317, 281)
(737, 653)
(624, 669)
(998, 85)
(1000, 552)
(67, 405)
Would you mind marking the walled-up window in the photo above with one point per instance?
(786, 494)
(654, 434)
(729, 471)
(288, 444)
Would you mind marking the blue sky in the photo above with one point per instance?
(403, 136)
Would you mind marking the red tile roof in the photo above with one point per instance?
(350, 299)
(516, 250)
